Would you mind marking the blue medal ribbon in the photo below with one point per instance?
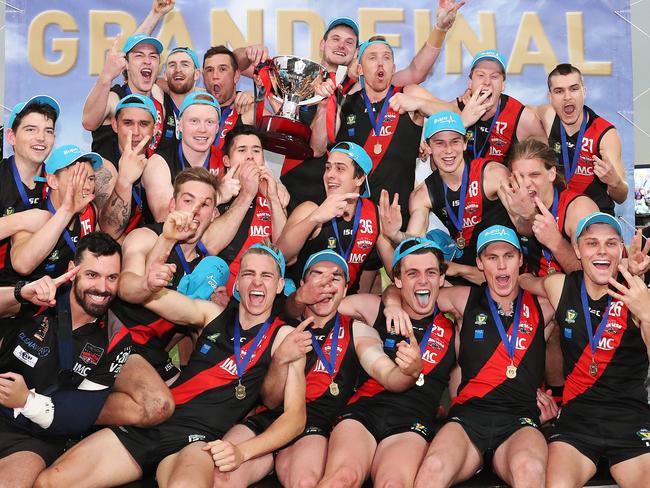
(427, 333)
(376, 121)
(545, 252)
(186, 266)
(19, 183)
(512, 343)
(329, 364)
(457, 218)
(240, 362)
(66, 234)
(225, 113)
(355, 227)
(487, 138)
(570, 168)
(206, 163)
(593, 338)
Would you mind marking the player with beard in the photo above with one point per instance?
(69, 215)
(59, 365)
(219, 386)
(605, 346)
(500, 348)
(596, 169)
(30, 132)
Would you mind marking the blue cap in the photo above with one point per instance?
(367, 44)
(64, 156)
(289, 285)
(443, 241)
(598, 218)
(20, 106)
(135, 100)
(351, 23)
(359, 155)
(330, 256)
(415, 244)
(211, 273)
(140, 38)
(442, 121)
(199, 97)
(497, 233)
(189, 51)
(489, 54)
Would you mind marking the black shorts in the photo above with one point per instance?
(617, 438)
(488, 430)
(13, 440)
(383, 419)
(150, 446)
(315, 425)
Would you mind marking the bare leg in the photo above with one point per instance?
(521, 459)
(567, 467)
(98, 460)
(397, 460)
(554, 366)
(349, 455)
(632, 472)
(20, 469)
(191, 466)
(451, 458)
(140, 397)
(302, 464)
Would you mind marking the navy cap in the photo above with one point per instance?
(20, 106)
(135, 100)
(211, 273)
(489, 54)
(189, 51)
(359, 155)
(330, 256)
(598, 218)
(497, 233)
(64, 156)
(141, 38)
(199, 98)
(351, 23)
(442, 121)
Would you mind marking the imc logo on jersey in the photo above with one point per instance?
(91, 354)
(430, 357)
(571, 316)
(357, 258)
(585, 170)
(260, 230)
(606, 344)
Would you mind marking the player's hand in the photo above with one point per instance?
(333, 206)
(638, 260)
(636, 295)
(226, 456)
(257, 53)
(516, 199)
(397, 320)
(408, 357)
(42, 292)
(604, 170)
(162, 7)
(324, 87)
(243, 102)
(283, 195)
(229, 188)
(446, 14)
(545, 227)
(133, 160)
(13, 390)
(390, 216)
(181, 225)
(268, 185)
(546, 405)
(402, 103)
(424, 152)
(249, 177)
(296, 344)
(315, 290)
(115, 62)
(75, 197)
(159, 274)
(475, 107)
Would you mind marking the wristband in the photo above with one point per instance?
(18, 287)
(38, 408)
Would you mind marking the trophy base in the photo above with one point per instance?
(286, 136)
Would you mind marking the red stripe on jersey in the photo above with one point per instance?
(117, 338)
(377, 144)
(364, 241)
(584, 173)
(160, 122)
(505, 130)
(142, 334)
(474, 198)
(579, 379)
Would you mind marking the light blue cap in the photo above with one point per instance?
(64, 156)
(211, 273)
(135, 100)
(199, 98)
(598, 218)
(497, 233)
(359, 155)
(351, 23)
(489, 54)
(141, 38)
(367, 44)
(443, 121)
(289, 285)
(189, 51)
(410, 245)
(443, 241)
(20, 106)
(330, 256)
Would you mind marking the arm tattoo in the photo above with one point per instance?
(116, 213)
(103, 178)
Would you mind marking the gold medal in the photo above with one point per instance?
(511, 371)
(334, 388)
(377, 148)
(550, 270)
(420, 380)
(240, 391)
(593, 367)
(460, 242)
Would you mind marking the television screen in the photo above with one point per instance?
(642, 190)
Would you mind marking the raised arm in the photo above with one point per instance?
(419, 207)
(158, 10)
(610, 168)
(157, 183)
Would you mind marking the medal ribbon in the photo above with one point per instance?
(330, 114)
(593, 338)
(570, 167)
(242, 363)
(206, 163)
(66, 234)
(511, 344)
(487, 137)
(376, 121)
(218, 141)
(545, 252)
(427, 333)
(329, 364)
(457, 219)
(19, 183)
(355, 227)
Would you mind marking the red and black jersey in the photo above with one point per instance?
(621, 357)
(483, 357)
(56, 263)
(172, 154)
(151, 333)
(393, 152)
(584, 180)
(495, 144)
(230, 119)
(11, 201)
(255, 227)
(439, 357)
(534, 260)
(207, 383)
(170, 123)
(480, 212)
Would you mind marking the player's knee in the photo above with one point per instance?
(307, 480)
(158, 405)
(392, 481)
(432, 466)
(47, 478)
(528, 467)
(346, 477)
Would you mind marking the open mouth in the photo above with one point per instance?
(381, 74)
(200, 139)
(256, 297)
(569, 109)
(38, 147)
(146, 74)
(422, 297)
(502, 280)
(179, 77)
(340, 53)
(601, 264)
(98, 298)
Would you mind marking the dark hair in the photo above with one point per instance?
(533, 149)
(563, 69)
(198, 173)
(37, 107)
(97, 243)
(397, 269)
(221, 49)
(327, 32)
(241, 130)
